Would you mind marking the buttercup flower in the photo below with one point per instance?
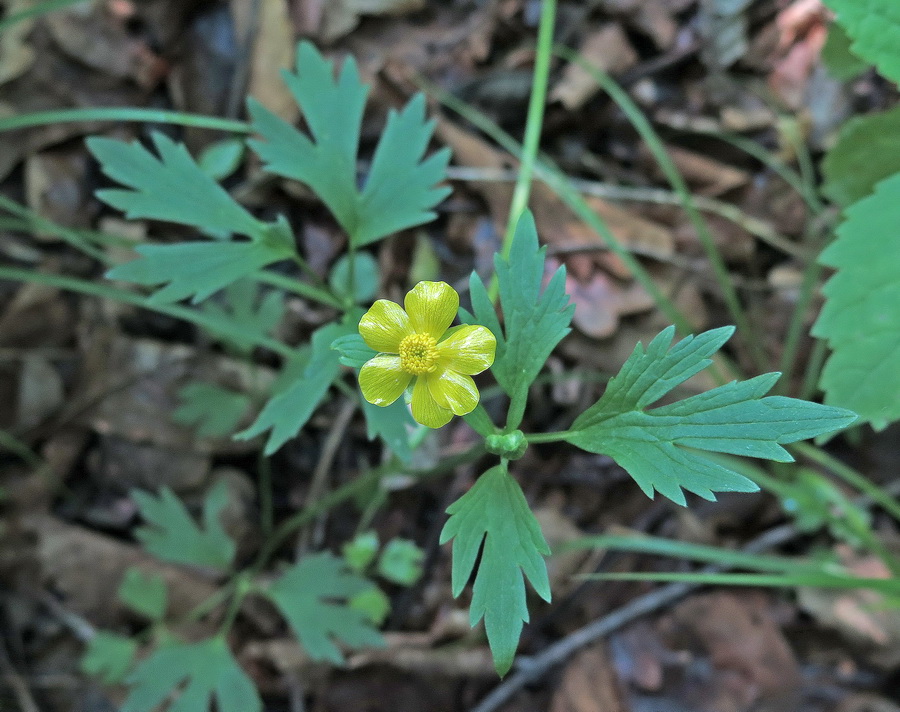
(414, 345)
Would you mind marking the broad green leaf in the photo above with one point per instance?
(246, 304)
(659, 448)
(172, 535)
(354, 352)
(400, 191)
(365, 277)
(199, 674)
(373, 603)
(290, 409)
(313, 597)
(144, 593)
(222, 158)
(534, 320)
(109, 657)
(199, 269)
(874, 27)
(401, 562)
(361, 551)
(861, 318)
(494, 512)
(837, 57)
(865, 154)
(216, 411)
(171, 188)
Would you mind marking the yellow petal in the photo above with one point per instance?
(425, 409)
(453, 390)
(382, 380)
(469, 350)
(432, 306)
(384, 326)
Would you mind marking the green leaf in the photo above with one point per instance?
(535, 321)
(289, 410)
(171, 188)
(400, 190)
(659, 447)
(222, 158)
(361, 551)
(392, 424)
(245, 304)
(495, 512)
(401, 562)
(874, 27)
(216, 411)
(837, 57)
(144, 593)
(354, 352)
(313, 596)
(365, 277)
(860, 318)
(373, 603)
(109, 657)
(199, 269)
(865, 154)
(203, 672)
(172, 535)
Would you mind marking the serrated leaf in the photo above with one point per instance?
(171, 188)
(199, 269)
(354, 352)
(401, 562)
(535, 320)
(874, 27)
(144, 593)
(401, 188)
(864, 154)
(202, 673)
(659, 447)
(172, 535)
(313, 597)
(860, 318)
(495, 512)
(214, 410)
(290, 409)
(245, 304)
(109, 657)
(837, 56)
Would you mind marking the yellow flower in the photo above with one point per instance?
(414, 345)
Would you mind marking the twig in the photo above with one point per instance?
(531, 669)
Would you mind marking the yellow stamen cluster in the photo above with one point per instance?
(418, 354)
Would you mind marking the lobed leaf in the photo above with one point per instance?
(535, 320)
(659, 447)
(172, 535)
(199, 674)
(313, 596)
(874, 27)
(109, 656)
(214, 410)
(495, 513)
(144, 593)
(860, 318)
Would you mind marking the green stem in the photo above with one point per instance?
(266, 504)
(797, 326)
(290, 284)
(850, 476)
(194, 316)
(673, 175)
(32, 220)
(814, 369)
(38, 10)
(126, 113)
(533, 123)
(547, 437)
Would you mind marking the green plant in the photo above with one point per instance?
(329, 602)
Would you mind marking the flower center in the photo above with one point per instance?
(418, 353)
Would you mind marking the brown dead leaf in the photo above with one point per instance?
(600, 302)
(37, 316)
(57, 188)
(337, 18)
(589, 684)
(609, 50)
(16, 52)
(85, 568)
(704, 174)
